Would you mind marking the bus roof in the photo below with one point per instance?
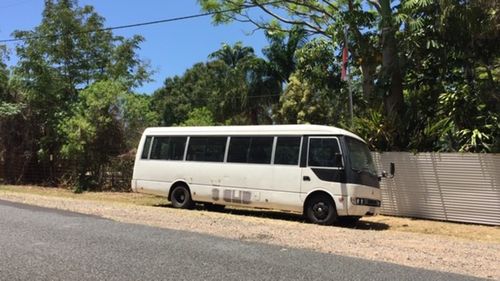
(276, 130)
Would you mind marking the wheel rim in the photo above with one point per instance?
(320, 210)
(180, 196)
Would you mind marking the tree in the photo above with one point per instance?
(199, 117)
(136, 114)
(258, 86)
(233, 56)
(200, 86)
(414, 57)
(372, 34)
(107, 121)
(234, 85)
(314, 93)
(7, 106)
(281, 51)
(68, 51)
(451, 89)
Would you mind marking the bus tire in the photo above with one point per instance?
(181, 197)
(320, 209)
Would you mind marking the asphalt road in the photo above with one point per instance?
(46, 244)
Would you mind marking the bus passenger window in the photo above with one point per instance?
(322, 152)
(255, 150)
(261, 149)
(238, 150)
(160, 147)
(210, 149)
(176, 148)
(168, 148)
(145, 149)
(287, 151)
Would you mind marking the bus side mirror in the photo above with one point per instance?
(391, 172)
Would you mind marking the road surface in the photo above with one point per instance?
(45, 244)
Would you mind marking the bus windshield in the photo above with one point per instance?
(360, 156)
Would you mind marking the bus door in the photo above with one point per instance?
(323, 167)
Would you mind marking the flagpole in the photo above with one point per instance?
(348, 74)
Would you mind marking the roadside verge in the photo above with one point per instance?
(429, 251)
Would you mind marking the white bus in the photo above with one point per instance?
(324, 172)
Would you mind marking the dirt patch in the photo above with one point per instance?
(370, 239)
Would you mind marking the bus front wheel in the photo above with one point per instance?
(181, 197)
(320, 209)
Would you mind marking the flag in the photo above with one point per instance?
(345, 55)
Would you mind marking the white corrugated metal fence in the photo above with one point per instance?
(461, 187)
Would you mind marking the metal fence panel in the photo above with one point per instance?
(461, 187)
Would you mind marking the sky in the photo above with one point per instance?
(170, 47)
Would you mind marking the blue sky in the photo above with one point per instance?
(171, 47)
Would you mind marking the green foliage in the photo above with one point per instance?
(53, 118)
(300, 104)
(281, 51)
(235, 86)
(137, 114)
(199, 117)
(371, 37)
(407, 58)
(314, 93)
(198, 87)
(9, 109)
(372, 127)
(233, 56)
(94, 133)
(452, 92)
(424, 77)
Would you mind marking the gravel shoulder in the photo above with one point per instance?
(429, 251)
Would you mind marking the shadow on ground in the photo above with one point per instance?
(262, 213)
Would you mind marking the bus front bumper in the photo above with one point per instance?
(363, 201)
(362, 210)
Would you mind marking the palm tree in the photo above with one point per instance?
(233, 55)
(281, 51)
(254, 75)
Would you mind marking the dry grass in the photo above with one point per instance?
(120, 197)
(457, 230)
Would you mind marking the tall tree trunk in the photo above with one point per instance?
(368, 71)
(366, 53)
(391, 76)
(391, 79)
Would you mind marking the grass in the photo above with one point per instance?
(457, 230)
(453, 229)
(119, 197)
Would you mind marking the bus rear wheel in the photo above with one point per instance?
(321, 210)
(181, 197)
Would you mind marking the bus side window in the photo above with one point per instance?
(145, 149)
(160, 147)
(238, 150)
(176, 147)
(168, 148)
(255, 150)
(287, 151)
(322, 152)
(261, 149)
(210, 149)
